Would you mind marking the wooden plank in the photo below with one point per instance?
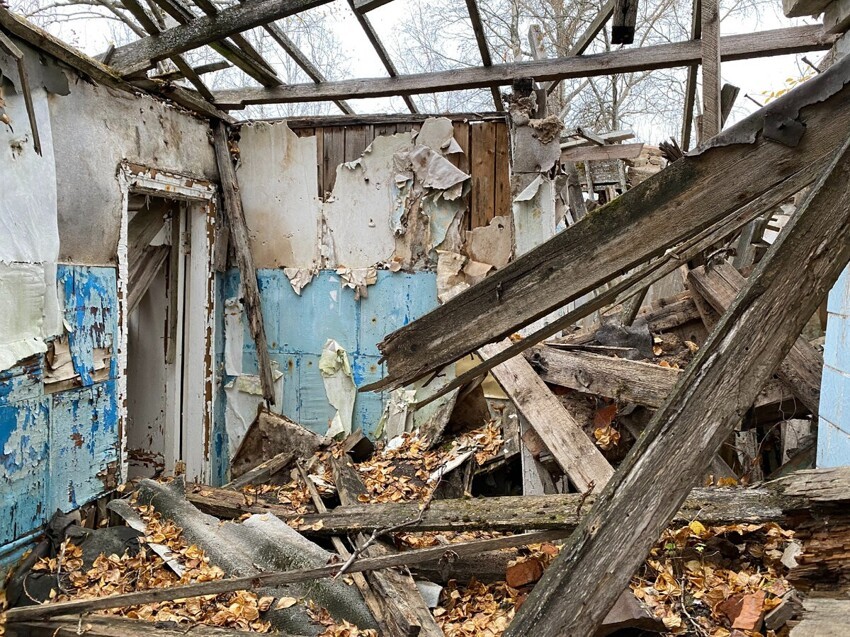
(601, 153)
(483, 48)
(273, 579)
(733, 47)
(502, 178)
(801, 369)
(260, 71)
(696, 190)
(623, 21)
(143, 54)
(802, 8)
(781, 501)
(596, 564)
(262, 472)
(312, 121)
(624, 380)
(580, 459)
(320, 161)
(355, 141)
(239, 236)
(461, 135)
(691, 81)
(333, 154)
(836, 17)
(483, 158)
(363, 6)
(404, 609)
(202, 69)
(728, 95)
(710, 40)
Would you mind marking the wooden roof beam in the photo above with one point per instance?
(143, 54)
(624, 21)
(152, 28)
(202, 69)
(362, 6)
(369, 30)
(483, 48)
(259, 70)
(733, 47)
(291, 49)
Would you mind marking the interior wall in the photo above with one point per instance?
(60, 217)
(355, 231)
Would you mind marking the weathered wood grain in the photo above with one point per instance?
(594, 153)
(239, 236)
(696, 190)
(752, 338)
(733, 47)
(710, 42)
(143, 54)
(580, 459)
(801, 370)
(623, 21)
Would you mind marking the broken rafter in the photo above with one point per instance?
(698, 190)
(291, 49)
(260, 71)
(203, 69)
(483, 47)
(719, 284)
(779, 501)
(251, 582)
(752, 338)
(362, 6)
(242, 248)
(11, 49)
(733, 47)
(143, 54)
(152, 28)
(372, 35)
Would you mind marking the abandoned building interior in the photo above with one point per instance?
(425, 373)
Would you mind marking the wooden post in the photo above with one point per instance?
(623, 21)
(691, 82)
(750, 341)
(710, 69)
(242, 247)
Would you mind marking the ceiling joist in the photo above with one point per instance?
(734, 47)
(143, 54)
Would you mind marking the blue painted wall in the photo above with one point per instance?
(57, 450)
(298, 327)
(834, 422)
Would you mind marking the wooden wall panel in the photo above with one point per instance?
(486, 156)
(483, 171)
(502, 175)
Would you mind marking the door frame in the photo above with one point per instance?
(190, 378)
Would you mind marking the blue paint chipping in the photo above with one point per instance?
(298, 327)
(834, 420)
(55, 450)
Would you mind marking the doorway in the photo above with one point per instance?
(168, 335)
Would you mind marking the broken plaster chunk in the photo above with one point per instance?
(339, 386)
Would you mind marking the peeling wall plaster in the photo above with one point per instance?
(100, 128)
